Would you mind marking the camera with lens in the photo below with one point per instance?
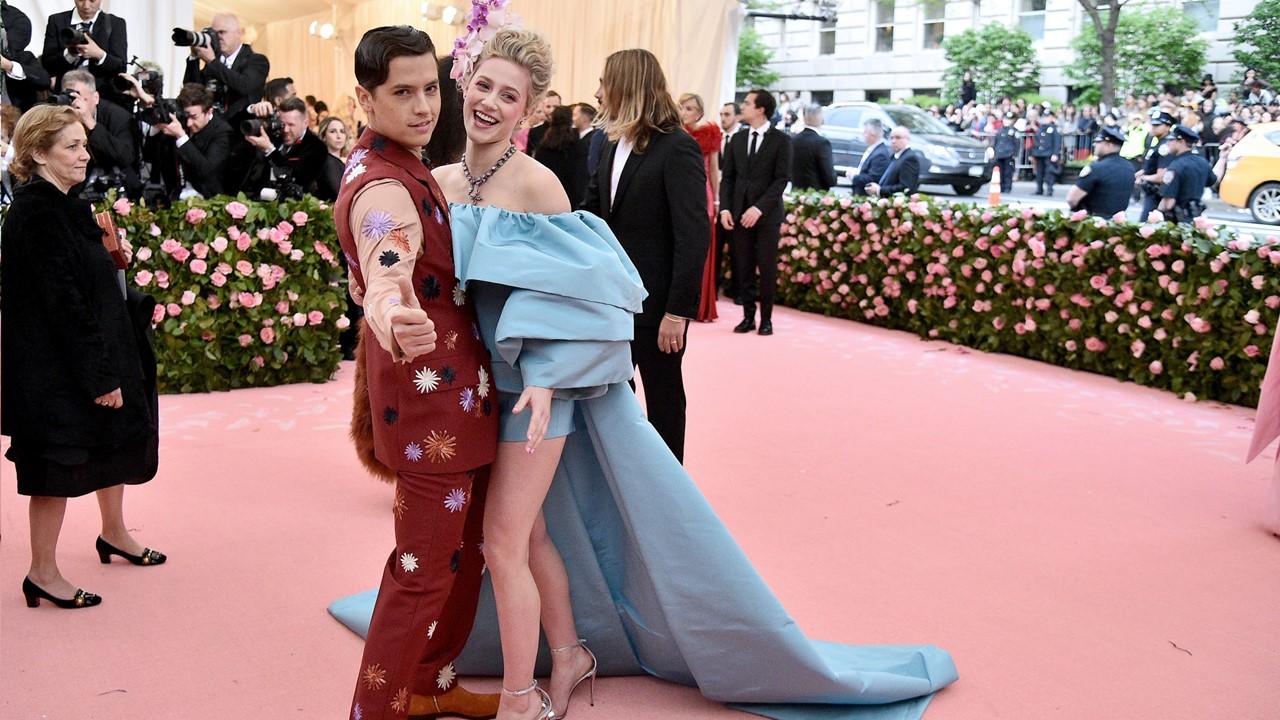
(71, 36)
(271, 123)
(159, 114)
(281, 185)
(66, 97)
(151, 81)
(96, 190)
(205, 38)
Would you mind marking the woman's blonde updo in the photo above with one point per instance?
(37, 131)
(526, 48)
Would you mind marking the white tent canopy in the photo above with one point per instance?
(696, 40)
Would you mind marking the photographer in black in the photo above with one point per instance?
(22, 74)
(87, 38)
(290, 158)
(191, 150)
(114, 160)
(232, 70)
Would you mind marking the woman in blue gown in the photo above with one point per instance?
(585, 499)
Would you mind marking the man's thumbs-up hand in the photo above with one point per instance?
(414, 332)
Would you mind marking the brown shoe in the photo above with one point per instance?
(457, 702)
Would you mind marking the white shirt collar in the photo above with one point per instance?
(586, 132)
(75, 18)
(620, 156)
(763, 128)
(232, 57)
(901, 152)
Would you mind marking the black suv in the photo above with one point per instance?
(947, 157)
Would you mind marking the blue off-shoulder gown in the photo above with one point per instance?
(658, 584)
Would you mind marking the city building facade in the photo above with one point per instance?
(878, 49)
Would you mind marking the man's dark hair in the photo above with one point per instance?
(588, 110)
(293, 104)
(321, 106)
(195, 94)
(765, 101)
(276, 88)
(736, 110)
(381, 45)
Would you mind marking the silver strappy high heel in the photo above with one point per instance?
(590, 675)
(546, 713)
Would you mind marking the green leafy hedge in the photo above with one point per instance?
(250, 293)
(1174, 307)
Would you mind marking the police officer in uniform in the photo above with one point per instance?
(1047, 152)
(1185, 179)
(1006, 149)
(1105, 185)
(1154, 160)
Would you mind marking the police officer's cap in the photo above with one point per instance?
(1111, 135)
(1182, 132)
(1160, 117)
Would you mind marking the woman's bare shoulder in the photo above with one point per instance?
(452, 184)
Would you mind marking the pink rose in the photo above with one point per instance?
(214, 302)
(267, 334)
(1093, 344)
(1252, 317)
(243, 242)
(295, 255)
(1155, 216)
(218, 279)
(1147, 231)
(249, 300)
(157, 314)
(162, 279)
(195, 215)
(219, 244)
(200, 250)
(244, 267)
(236, 210)
(199, 266)
(285, 228)
(173, 309)
(143, 254)
(1273, 301)
(1217, 363)
(1257, 281)
(188, 297)
(259, 361)
(299, 319)
(299, 218)
(1070, 345)
(1137, 347)
(344, 322)
(1156, 367)
(282, 307)
(122, 206)
(1079, 215)
(170, 246)
(181, 254)
(1160, 334)
(1252, 351)
(245, 340)
(143, 278)
(998, 323)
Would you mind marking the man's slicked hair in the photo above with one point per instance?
(381, 45)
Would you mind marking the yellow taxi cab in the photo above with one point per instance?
(1252, 179)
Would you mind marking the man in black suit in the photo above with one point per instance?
(757, 167)
(292, 167)
(730, 123)
(875, 159)
(579, 159)
(195, 156)
(239, 73)
(903, 173)
(112, 149)
(104, 52)
(22, 74)
(812, 165)
(650, 187)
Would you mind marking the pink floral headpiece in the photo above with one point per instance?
(484, 21)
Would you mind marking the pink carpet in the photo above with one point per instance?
(1084, 548)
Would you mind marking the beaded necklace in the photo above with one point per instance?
(474, 192)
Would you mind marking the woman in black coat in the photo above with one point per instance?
(78, 378)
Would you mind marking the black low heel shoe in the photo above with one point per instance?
(148, 556)
(35, 594)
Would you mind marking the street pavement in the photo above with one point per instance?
(1237, 219)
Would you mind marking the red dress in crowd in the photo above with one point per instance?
(709, 137)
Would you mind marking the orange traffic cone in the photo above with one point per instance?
(993, 196)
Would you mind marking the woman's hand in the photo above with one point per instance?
(113, 400)
(538, 401)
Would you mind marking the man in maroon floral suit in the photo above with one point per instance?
(426, 373)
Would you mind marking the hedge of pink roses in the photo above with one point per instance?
(1175, 307)
(249, 293)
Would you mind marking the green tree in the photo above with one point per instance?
(1153, 47)
(1002, 60)
(1104, 29)
(1258, 40)
(753, 60)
